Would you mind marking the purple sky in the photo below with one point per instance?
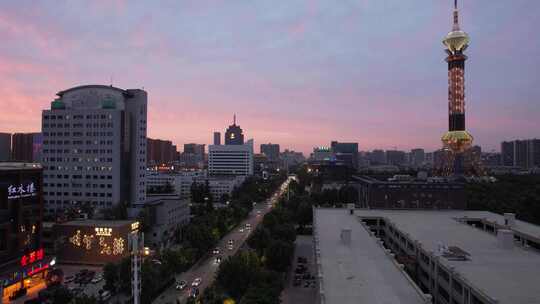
(297, 72)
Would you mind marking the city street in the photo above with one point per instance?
(206, 269)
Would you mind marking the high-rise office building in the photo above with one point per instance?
(160, 151)
(217, 138)
(5, 146)
(507, 153)
(521, 153)
(234, 134)
(196, 149)
(417, 157)
(236, 160)
(345, 152)
(271, 151)
(94, 147)
(27, 147)
(22, 257)
(377, 157)
(395, 157)
(457, 140)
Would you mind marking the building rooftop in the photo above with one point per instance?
(19, 166)
(360, 272)
(506, 275)
(93, 223)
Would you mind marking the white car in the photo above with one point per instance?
(196, 282)
(96, 280)
(241, 230)
(181, 285)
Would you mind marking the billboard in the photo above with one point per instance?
(93, 243)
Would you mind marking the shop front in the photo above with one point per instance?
(28, 276)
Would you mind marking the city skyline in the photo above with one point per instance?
(303, 74)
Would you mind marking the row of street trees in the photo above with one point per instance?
(194, 241)
(518, 194)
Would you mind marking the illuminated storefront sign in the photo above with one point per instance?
(103, 231)
(32, 257)
(106, 244)
(135, 226)
(21, 191)
(37, 270)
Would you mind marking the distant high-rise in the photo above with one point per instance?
(521, 153)
(194, 148)
(234, 134)
(457, 140)
(395, 157)
(5, 146)
(271, 151)
(217, 138)
(233, 160)
(160, 151)
(94, 147)
(27, 147)
(418, 157)
(377, 157)
(345, 152)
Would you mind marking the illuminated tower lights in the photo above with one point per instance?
(457, 140)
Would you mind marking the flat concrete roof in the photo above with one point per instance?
(507, 275)
(361, 272)
(19, 166)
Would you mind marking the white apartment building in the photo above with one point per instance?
(168, 213)
(231, 160)
(94, 147)
(182, 182)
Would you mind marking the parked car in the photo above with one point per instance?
(181, 285)
(106, 295)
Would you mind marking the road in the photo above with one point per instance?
(208, 268)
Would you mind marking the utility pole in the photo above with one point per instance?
(137, 247)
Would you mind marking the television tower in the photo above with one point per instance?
(457, 140)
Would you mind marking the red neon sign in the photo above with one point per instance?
(36, 270)
(32, 257)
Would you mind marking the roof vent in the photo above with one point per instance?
(510, 219)
(346, 236)
(505, 238)
(350, 207)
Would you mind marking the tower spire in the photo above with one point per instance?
(234, 119)
(455, 27)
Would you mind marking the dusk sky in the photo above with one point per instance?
(296, 72)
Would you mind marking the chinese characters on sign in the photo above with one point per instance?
(104, 245)
(103, 231)
(21, 191)
(32, 257)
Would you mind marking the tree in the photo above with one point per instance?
(279, 254)
(260, 295)
(110, 274)
(200, 237)
(84, 299)
(58, 294)
(237, 273)
(259, 240)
